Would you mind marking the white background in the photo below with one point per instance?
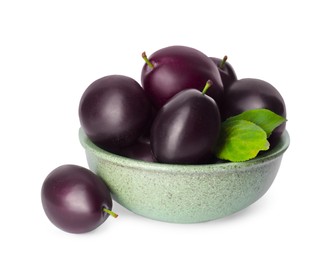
(50, 51)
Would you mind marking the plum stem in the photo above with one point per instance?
(144, 56)
(110, 212)
(223, 61)
(209, 83)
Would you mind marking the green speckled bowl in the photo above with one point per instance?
(185, 193)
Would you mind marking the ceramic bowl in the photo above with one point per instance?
(185, 193)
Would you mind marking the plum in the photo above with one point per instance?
(176, 68)
(114, 111)
(186, 128)
(75, 199)
(251, 93)
(227, 72)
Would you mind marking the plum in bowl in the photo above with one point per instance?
(185, 193)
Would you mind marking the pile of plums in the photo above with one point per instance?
(174, 116)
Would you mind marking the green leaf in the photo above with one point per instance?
(266, 119)
(240, 140)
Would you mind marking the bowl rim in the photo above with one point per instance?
(269, 155)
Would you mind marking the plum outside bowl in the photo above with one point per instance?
(185, 193)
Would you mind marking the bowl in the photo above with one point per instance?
(185, 193)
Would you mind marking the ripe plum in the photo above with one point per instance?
(250, 93)
(175, 68)
(75, 199)
(114, 111)
(227, 72)
(186, 128)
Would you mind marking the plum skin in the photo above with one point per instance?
(73, 199)
(177, 68)
(140, 150)
(228, 74)
(251, 93)
(186, 129)
(114, 111)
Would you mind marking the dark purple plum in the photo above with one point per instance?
(250, 93)
(75, 199)
(175, 68)
(227, 72)
(186, 128)
(114, 111)
(140, 150)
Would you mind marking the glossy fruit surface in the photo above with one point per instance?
(186, 129)
(227, 72)
(73, 199)
(249, 93)
(114, 111)
(176, 68)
